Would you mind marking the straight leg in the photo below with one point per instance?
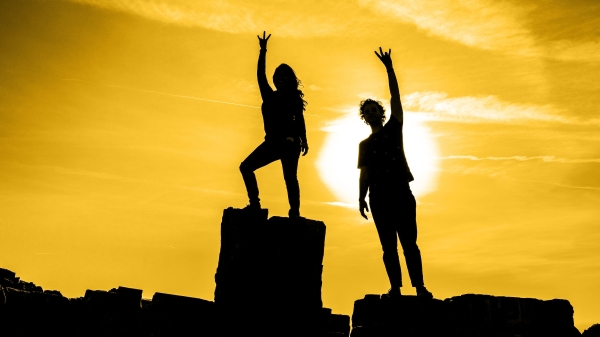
(289, 163)
(406, 226)
(385, 218)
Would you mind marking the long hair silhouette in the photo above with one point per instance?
(293, 81)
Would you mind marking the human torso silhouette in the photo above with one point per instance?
(383, 154)
(282, 116)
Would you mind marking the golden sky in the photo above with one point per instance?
(123, 123)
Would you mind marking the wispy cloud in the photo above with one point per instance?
(571, 51)
(161, 93)
(107, 176)
(576, 187)
(170, 95)
(472, 109)
(501, 172)
(484, 24)
(341, 204)
(236, 16)
(547, 159)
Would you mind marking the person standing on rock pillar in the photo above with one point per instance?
(384, 172)
(283, 118)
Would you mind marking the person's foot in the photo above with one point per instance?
(393, 293)
(253, 206)
(294, 213)
(422, 292)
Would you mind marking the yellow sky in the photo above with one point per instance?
(123, 123)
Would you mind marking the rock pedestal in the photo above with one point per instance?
(463, 316)
(269, 273)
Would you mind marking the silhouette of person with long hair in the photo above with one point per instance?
(384, 172)
(285, 138)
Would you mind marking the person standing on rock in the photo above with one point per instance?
(384, 172)
(283, 118)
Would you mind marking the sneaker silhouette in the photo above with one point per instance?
(424, 293)
(392, 293)
(294, 213)
(252, 207)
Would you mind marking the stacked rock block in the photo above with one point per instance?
(173, 315)
(511, 316)
(464, 316)
(26, 309)
(269, 275)
(593, 331)
(377, 315)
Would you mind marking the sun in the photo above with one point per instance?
(338, 158)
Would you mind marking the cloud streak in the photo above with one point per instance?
(575, 187)
(341, 204)
(107, 176)
(570, 51)
(170, 95)
(236, 16)
(483, 24)
(547, 159)
(161, 93)
(438, 106)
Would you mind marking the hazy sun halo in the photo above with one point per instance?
(337, 162)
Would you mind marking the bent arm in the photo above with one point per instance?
(395, 104)
(263, 84)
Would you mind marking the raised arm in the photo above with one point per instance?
(395, 104)
(263, 84)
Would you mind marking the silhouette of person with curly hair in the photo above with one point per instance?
(384, 172)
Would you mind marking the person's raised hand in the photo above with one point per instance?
(362, 206)
(263, 42)
(385, 58)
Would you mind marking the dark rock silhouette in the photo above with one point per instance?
(268, 283)
(278, 260)
(173, 315)
(270, 271)
(464, 316)
(593, 331)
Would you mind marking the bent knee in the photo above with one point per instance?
(244, 167)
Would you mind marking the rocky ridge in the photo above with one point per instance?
(268, 283)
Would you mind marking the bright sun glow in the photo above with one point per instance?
(338, 158)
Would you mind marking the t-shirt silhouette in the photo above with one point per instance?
(383, 154)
